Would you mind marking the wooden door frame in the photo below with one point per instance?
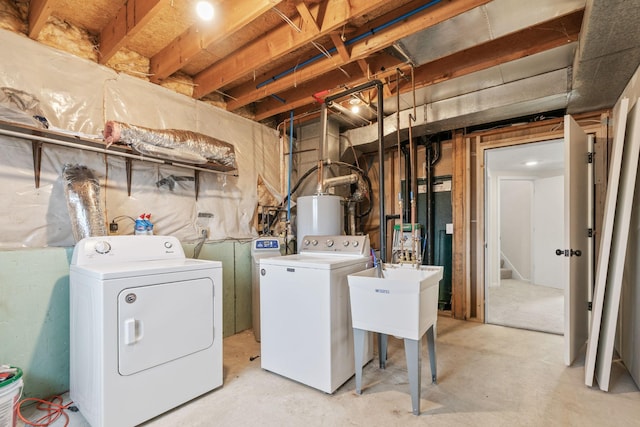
(468, 278)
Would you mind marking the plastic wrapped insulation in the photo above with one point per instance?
(180, 141)
(82, 190)
(20, 107)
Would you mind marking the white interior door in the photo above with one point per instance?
(576, 250)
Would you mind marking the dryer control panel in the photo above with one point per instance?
(121, 249)
(344, 245)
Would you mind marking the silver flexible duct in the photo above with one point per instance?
(82, 190)
(179, 144)
(360, 194)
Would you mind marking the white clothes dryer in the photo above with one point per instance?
(305, 313)
(145, 328)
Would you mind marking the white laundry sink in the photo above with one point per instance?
(403, 303)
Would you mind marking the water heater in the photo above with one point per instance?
(320, 214)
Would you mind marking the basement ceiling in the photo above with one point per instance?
(464, 62)
(527, 161)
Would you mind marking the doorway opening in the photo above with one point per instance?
(524, 212)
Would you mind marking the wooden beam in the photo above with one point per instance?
(364, 67)
(39, 12)
(130, 19)
(436, 14)
(536, 39)
(235, 15)
(334, 81)
(342, 49)
(307, 17)
(460, 187)
(277, 43)
(387, 88)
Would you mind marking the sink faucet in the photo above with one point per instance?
(379, 268)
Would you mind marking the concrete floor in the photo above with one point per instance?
(488, 375)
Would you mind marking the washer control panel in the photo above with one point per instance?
(354, 245)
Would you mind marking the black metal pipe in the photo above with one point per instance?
(432, 156)
(383, 224)
(354, 89)
(428, 233)
(360, 88)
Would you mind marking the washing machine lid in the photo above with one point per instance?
(145, 268)
(315, 261)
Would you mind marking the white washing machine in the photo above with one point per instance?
(262, 247)
(146, 328)
(305, 315)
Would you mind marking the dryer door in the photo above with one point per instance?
(164, 322)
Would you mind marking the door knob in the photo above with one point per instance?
(570, 252)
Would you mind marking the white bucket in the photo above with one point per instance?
(10, 392)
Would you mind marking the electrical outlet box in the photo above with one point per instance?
(203, 232)
(203, 223)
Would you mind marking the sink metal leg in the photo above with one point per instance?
(358, 350)
(414, 367)
(382, 350)
(431, 343)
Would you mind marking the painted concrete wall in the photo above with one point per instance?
(548, 226)
(236, 281)
(34, 308)
(34, 317)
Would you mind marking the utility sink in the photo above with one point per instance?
(399, 300)
(403, 303)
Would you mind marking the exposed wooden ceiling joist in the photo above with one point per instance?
(235, 15)
(340, 46)
(272, 56)
(532, 40)
(331, 83)
(277, 43)
(130, 19)
(307, 17)
(247, 93)
(39, 12)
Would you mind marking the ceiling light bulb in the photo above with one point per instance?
(205, 10)
(531, 163)
(355, 109)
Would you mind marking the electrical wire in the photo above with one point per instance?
(286, 19)
(53, 409)
(119, 217)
